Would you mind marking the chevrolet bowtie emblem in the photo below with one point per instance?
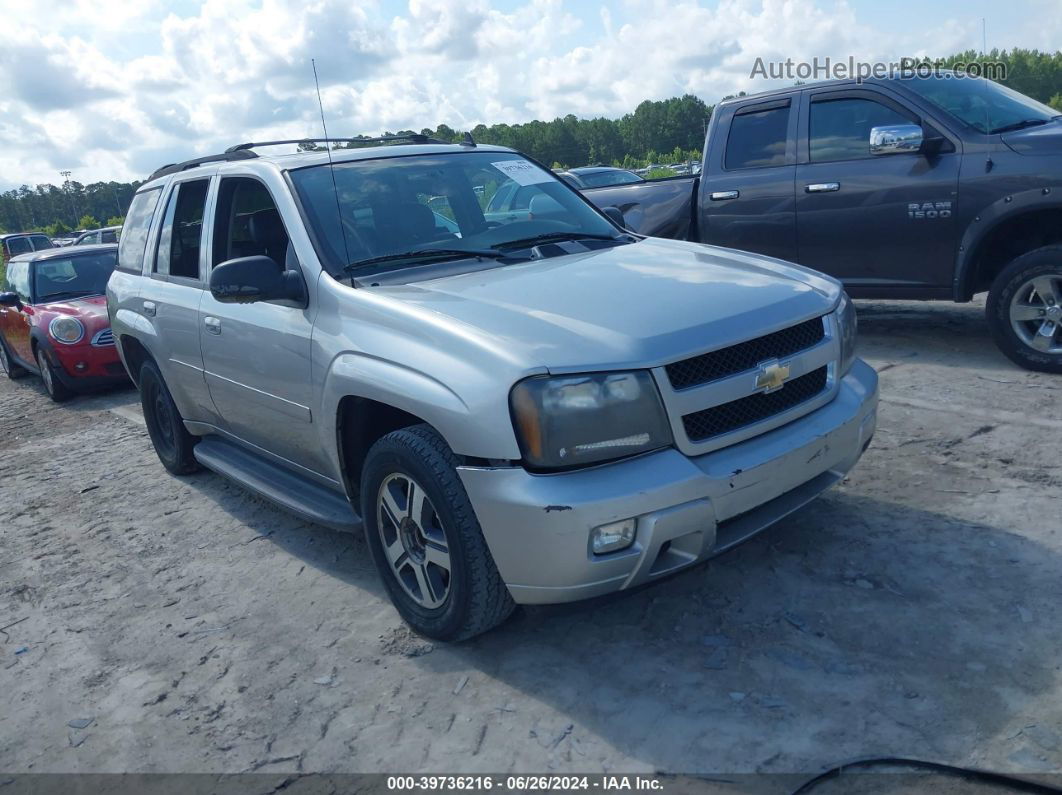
(772, 376)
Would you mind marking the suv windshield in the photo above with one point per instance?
(72, 277)
(981, 104)
(398, 205)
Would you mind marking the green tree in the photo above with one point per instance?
(115, 220)
(87, 222)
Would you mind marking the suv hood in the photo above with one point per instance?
(636, 305)
(1045, 139)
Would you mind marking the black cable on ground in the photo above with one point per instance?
(972, 774)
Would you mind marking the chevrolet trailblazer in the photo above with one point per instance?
(526, 408)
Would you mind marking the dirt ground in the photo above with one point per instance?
(160, 624)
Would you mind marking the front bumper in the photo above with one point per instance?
(688, 509)
(84, 367)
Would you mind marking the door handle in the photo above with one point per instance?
(213, 325)
(724, 195)
(822, 187)
(149, 308)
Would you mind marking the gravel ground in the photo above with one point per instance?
(157, 624)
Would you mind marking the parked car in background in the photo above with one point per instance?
(16, 243)
(909, 188)
(538, 408)
(598, 176)
(69, 239)
(108, 234)
(53, 319)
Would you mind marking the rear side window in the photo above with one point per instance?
(40, 242)
(18, 245)
(109, 236)
(182, 231)
(757, 139)
(137, 223)
(839, 129)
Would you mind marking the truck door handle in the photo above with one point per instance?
(149, 308)
(213, 325)
(723, 195)
(822, 187)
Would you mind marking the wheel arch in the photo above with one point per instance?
(1012, 226)
(134, 353)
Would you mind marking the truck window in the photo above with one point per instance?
(839, 129)
(19, 245)
(137, 223)
(42, 243)
(182, 231)
(757, 139)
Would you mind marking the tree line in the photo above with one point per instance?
(656, 132)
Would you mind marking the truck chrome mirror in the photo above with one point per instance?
(896, 139)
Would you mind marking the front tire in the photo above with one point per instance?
(425, 539)
(56, 389)
(173, 444)
(7, 364)
(1024, 310)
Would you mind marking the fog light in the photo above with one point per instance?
(613, 536)
(81, 366)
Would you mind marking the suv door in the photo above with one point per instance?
(15, 321)
(257, 356)
(747, 201)
(171, 295)
(882, 224)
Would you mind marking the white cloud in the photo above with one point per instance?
(113, 89)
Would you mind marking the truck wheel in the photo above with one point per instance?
(56, 389)
(425, 539)
(7, 364)
(165, 426)
(1025, 310)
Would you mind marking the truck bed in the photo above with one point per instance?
(658, 207)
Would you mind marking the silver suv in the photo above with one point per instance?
(527, 409)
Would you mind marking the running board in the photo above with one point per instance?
(301, 496)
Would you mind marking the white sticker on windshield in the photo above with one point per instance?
(523, 172)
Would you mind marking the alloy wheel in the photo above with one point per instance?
(46, 372)
(1036, 313)
(413, 540)
(5, 363)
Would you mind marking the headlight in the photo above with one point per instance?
(575, 420)
(846, 329)
(67, 330)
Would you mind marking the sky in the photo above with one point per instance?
(112, 90)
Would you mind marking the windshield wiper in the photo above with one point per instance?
(68, 294)
(552, 237)
(426, 254)
(1020, 125)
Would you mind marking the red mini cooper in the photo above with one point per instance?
(53, 319)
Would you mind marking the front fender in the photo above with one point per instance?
(984, 224)
(469, 427)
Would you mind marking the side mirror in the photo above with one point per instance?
(896, 139)
(615, 215)
(10, 299)
(246, 280)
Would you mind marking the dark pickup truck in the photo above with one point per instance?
(936, 187)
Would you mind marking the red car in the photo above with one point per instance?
(53, 319)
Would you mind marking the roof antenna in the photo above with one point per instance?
(468, 140)
(988, 135)
(331, 165)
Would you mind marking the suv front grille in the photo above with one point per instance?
(717, 420)
(745, 355)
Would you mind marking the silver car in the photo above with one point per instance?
(528, 409)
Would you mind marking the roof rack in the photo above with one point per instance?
(243, 151)
(416, 138)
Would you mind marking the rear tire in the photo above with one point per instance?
(56, 389)
(7, 364)
(173, 444)
(1024, 310)
(437, 529)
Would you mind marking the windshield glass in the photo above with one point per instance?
(981, 104)
(72, 277)
(598, 179)
(467, 201)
